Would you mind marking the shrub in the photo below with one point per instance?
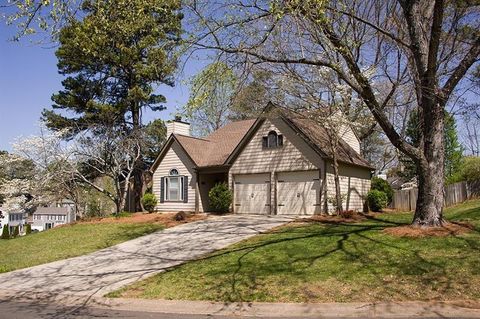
(382, 185)
(122, 214)
(471, 168)
(5, 232)
(333, 200)
(149, 202)
(94, 209)
(220, 198)
(28, 229)
(377, 200)
(16, 231)
(181, 215)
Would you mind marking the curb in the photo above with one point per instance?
(288, 310)
(450, 309)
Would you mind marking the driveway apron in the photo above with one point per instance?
(108, 269)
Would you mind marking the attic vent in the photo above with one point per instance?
(272, 140)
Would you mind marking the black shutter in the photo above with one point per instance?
(185, 189)
(162, 189)
(265, 141)
(280, 140)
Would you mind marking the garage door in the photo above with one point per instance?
(252, 194)
(298, 193)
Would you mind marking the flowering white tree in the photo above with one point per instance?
(113, 154)
(63, 168)
(16, 182)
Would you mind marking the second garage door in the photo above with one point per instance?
(298, 193)
(252, 194)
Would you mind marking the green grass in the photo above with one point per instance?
(330, 262)
(68, 241)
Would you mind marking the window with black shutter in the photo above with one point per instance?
(174, 187)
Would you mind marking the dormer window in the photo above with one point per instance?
(272, 140)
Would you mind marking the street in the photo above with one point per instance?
(31, 310)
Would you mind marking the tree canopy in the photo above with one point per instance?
(112, 59)
(211, 94)
(393, 55)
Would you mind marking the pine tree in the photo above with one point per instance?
(453, 148)
(5, 232)
(112, 58)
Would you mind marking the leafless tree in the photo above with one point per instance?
(421, 46)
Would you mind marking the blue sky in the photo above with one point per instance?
(28, 78)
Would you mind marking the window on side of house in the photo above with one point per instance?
(272, 140)
(174, 186)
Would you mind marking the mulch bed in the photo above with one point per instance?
(166, 219)
(448, 229)
(335, 219)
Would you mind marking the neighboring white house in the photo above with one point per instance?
(45, 218)
(274, 166)
(13, 219)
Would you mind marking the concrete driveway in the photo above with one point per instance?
(109, 269)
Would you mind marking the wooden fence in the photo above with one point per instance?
(406, 200)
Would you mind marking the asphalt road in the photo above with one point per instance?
(24, 310)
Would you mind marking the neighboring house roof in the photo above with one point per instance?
(3, 210)
(52, 211)
(221, 146)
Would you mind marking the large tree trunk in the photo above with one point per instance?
(429, 210)
(336, 175)
(138, 183)
(138, 180)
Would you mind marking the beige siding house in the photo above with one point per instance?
(279, 165)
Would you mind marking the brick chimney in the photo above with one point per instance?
(177, 126)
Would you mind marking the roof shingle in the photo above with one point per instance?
(318, 135)
(214, 149)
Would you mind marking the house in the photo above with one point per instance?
(13, 219)
(277, 165)
(45, 218)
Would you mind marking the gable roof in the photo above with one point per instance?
(51, 211)
(212, 150)
(318, 136)
(221, 146)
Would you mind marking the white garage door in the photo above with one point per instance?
(298, 193)
(252, 194)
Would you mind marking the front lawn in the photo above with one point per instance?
(78, 239)
(319, 262)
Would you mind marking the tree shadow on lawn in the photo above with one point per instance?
(391, 268)
(345, 247)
